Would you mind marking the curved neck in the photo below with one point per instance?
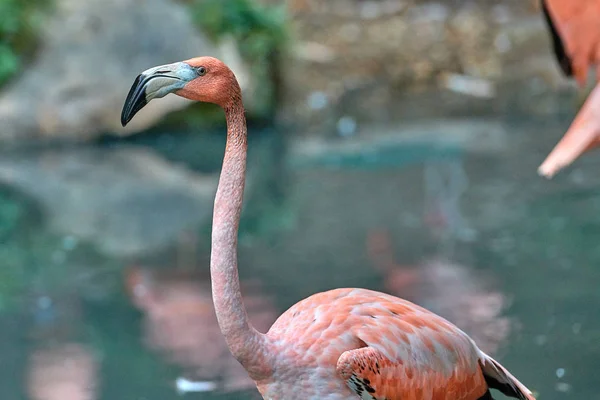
(246, 344)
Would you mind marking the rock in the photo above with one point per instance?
(124, 200)
(91, 51)
(374, 51)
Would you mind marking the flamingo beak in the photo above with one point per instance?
(155, 83)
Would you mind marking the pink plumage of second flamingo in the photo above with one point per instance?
(575, 34)
(343, 344)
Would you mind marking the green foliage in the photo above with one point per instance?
(258, 29)
(260, 32)
(19, 22)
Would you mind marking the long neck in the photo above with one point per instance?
(246, 344)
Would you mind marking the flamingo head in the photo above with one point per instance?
(204, 79)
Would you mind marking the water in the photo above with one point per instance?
(454, 219)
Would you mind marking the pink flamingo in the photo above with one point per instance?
(342, 344)
(576, 37)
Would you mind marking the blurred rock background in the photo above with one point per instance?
(65, 67)
(388, 53)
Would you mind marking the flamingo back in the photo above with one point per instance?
(346, 343)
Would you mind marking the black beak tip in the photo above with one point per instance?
(135, 101)
(126, 115)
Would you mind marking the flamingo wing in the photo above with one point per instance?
(418, 355)
(372, 376)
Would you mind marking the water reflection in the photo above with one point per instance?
(454, 291)
(180, 323)
(445, 183)
(66, 371)
(465, 296)
(465, 233)
(58, 366)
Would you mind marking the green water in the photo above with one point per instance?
(306, 230)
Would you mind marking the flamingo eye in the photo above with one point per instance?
(201, 71)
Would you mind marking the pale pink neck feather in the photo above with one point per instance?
(246, 344)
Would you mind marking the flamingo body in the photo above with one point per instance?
(576, 40)
(347, 342)
(343, 344)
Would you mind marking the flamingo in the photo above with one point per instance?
(576, 39)
(342, 344)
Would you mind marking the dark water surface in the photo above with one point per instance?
(456, 220)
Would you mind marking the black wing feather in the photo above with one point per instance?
(559, 49)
